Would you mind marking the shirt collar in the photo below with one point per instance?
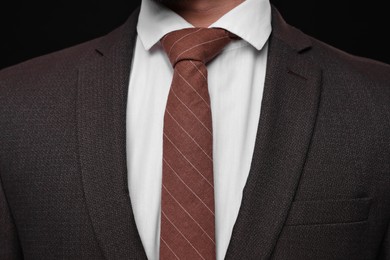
(251, 21)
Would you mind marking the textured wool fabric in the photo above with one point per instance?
(187, 200)
(322, 145)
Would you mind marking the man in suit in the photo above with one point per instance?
(301, 147)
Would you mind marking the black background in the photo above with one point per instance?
(33, 28)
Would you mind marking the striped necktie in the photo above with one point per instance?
(187, 201)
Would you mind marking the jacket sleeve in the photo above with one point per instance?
(9, 242)
(384, 253)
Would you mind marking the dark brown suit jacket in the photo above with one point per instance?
(319, 184)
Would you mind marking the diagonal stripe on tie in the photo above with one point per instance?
(190, 193)
(188, 134)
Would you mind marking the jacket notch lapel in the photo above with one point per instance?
(101, 116)
(288, 114)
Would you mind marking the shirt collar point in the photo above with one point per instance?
(147, 39)
(256, 39)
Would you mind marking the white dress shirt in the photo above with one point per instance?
(236, 79)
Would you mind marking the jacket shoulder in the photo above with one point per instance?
(360, 82)
(69, 58)
(58, 61)
(332, 59)
(333, 62)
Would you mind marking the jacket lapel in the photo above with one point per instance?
(288, 114)
(102, 95)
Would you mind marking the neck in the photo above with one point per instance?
(203, 13)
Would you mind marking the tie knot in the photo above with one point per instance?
(198, 44)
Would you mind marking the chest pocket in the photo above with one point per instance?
(328, 212)
(331, 229)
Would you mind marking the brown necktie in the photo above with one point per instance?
(187, 203)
